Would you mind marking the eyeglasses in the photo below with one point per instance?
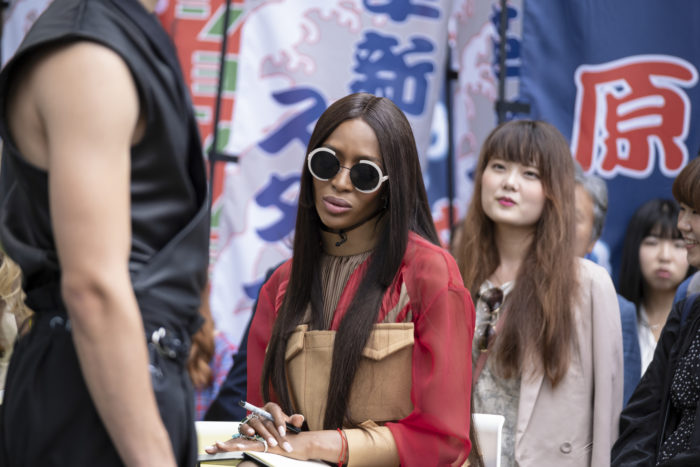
(493, 298)
(366, 176)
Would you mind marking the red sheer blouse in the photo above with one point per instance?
(437, 431)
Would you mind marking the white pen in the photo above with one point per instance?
(266, 415)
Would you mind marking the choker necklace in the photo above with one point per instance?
(342, 233)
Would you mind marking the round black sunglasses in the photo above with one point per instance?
(366, 176)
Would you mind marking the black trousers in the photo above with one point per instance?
(48, 417)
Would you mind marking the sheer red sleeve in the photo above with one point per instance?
(270, 296)
(443, 314)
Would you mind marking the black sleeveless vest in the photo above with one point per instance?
(169, 203)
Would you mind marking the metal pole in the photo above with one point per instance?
(502, 29)
(450, 75)
(213, 151)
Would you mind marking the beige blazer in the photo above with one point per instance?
(577, 423)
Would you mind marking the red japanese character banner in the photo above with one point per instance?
(620, 80)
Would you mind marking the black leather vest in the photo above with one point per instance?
(169, 205)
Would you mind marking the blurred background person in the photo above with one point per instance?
(13, 312)
(653, 265)
(660, 425)
(211, 358)
(591, 207)
(546, 321)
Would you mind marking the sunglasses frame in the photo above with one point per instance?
(382, 177)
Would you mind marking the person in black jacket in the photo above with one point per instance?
(104, 206)
(661, 423)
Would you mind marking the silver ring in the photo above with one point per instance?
(240, 425)
(262, 440)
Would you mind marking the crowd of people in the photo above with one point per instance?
(373, 341)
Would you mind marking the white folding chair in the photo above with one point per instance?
(488, 429)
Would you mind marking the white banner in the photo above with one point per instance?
(296, 57)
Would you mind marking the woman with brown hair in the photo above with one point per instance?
(660, 424)
(368, 326)
(547, 350)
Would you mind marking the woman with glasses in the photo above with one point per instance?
(361, 337)
(547, 350)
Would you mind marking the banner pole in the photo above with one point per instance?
(214, 154)
(502, 30)
(450, 76)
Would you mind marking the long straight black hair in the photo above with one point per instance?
(656, 217)
(407, 210)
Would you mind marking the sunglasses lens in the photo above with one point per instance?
(493, 298)
(324, 165)
(365, 177)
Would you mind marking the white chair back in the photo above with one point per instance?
(488, 428)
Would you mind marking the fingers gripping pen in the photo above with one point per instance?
(266, 415)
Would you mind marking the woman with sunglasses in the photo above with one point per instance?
(547, 350)
(361, 336)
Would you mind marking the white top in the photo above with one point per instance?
(647, 341)
(492, 393)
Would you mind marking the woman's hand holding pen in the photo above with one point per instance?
(275, 432)
(326, 445)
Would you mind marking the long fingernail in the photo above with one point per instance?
(282, 431)
(272, 441)
(287, 447)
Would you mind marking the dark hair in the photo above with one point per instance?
(686, 186)
(656, 217)
(407, 209)
(540, 315)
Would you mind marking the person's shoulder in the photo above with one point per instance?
(277, 278)
(596, 287)
(688, 308)
(627, 308)
(425, 261)
(64, 23)
(71, 65)
(591, 274)
(421, 249)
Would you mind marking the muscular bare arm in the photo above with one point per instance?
(87, 106)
